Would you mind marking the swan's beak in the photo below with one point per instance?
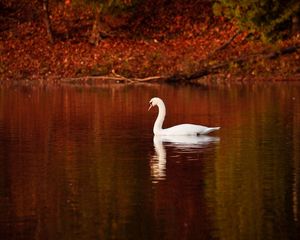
(150, 106)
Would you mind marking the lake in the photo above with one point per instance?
(81, 162)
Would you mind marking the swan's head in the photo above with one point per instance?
(154, 102)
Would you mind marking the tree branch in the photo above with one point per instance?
(228, 42)
(115, 77)
(204, 71)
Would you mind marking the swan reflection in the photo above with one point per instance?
(181, 144)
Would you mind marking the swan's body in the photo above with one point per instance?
(182, 129)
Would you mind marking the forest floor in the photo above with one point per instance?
(170, 42)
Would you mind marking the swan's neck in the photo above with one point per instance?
(160, 118)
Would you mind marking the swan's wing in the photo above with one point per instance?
(187, 129)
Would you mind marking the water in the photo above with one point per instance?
(82, 163)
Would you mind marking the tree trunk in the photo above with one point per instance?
(95, 35)
(295, 24)
(47, 21)
(223, 65)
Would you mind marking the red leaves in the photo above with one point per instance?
(175, 41)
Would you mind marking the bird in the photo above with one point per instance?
(178, 130)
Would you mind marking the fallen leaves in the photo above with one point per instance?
(172, 42)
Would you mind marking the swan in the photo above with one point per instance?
(178, 130)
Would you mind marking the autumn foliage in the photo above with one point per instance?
(165, 38)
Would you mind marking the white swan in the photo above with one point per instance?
(182, 129)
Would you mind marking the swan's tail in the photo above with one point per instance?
(212, 129)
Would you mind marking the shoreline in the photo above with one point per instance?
(214, 48)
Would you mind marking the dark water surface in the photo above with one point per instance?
(82, 163)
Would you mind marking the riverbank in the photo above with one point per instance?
(172, 46)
